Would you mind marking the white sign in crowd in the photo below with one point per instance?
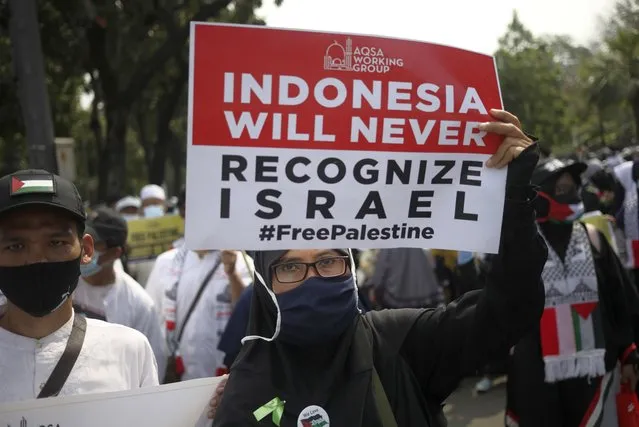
(173, 405)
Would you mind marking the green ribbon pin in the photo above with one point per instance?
(275, 406)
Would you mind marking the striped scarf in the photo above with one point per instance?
(572, 338)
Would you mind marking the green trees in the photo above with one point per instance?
(132, 57)
(571, 96)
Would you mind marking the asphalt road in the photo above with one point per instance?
(466, 408)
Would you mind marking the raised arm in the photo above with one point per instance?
(445, 344)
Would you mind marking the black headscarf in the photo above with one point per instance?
(335, 376)
(546, 176)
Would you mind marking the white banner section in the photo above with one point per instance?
(269, 198)
(173, 405)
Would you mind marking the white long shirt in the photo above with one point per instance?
(126, 303)
(157, 285)
(200, 339)
(113, 358)
(141, 270)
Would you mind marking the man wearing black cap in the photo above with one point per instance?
(108, 293)
(46, 349)
(561, 374)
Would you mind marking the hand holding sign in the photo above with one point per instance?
(217, 397)
(228, 259)
(515, 141)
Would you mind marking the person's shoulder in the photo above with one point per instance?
(123, 345)
(623, 168)
(116, 336)
(165, 259)
(391, 326)
(135, 290)
(393, 315)
(247, 293)
(244, 302)
(167, 256)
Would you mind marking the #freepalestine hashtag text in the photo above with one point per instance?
(269, 232)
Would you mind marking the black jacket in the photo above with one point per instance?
(420, 355)
(421, 358)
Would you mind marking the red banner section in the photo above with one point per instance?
(294, 89)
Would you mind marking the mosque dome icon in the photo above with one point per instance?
(338, 57)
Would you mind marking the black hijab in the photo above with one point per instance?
(335, 376)
(558, 234)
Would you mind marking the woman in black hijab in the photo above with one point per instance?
(314, 360)
(561, 373)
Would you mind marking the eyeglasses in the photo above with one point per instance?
(291, 272)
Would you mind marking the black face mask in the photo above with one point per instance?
(39, 289)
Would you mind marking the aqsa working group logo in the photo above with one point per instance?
(24, 423)
(367, 59)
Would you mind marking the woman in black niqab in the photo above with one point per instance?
(384, 368)
(333, 372)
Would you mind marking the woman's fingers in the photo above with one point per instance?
(515, 140)
(507, 151)
(505, 129)
(505, 116)
(217, 396)
(511, 155)
(215, 401)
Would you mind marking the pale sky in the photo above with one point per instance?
(468, 24)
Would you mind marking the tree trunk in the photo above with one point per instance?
(32, 89)
(634, 103)
(166, 111)
(113, 159)
(143, 136)
(95, 154)
(103, 175)
(177, 160)
(12, 155)
(602, 129)
(158, 164)
(119, 97)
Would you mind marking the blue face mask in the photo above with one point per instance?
(317, 311)
(92, 268)
(153, 211)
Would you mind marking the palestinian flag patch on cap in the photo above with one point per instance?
(41, 184)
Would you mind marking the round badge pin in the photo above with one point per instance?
(313, 416)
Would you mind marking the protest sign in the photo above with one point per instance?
(602, 223)
(314, 140)
(149, 237)
(175, 405)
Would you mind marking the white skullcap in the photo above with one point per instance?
(152, 191)
(128, 202)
